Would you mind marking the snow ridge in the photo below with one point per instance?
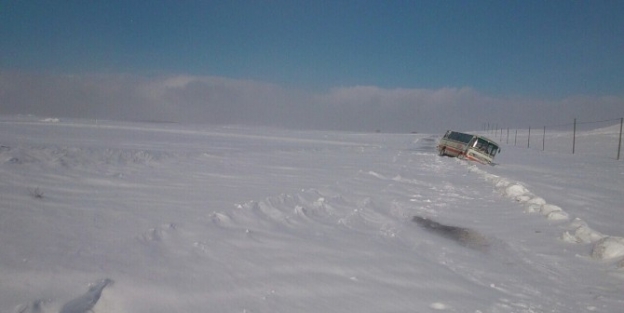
(87, 301)
(604, 247)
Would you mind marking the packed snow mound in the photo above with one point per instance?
(519, 193)
(608, 248)
(581, 233)
(51, 120)
(553, 212)
(604, 247)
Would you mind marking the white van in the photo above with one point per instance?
(472, 147)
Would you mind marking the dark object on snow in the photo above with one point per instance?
(464, 236)
(87, 301)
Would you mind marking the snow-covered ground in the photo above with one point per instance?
(157, 217)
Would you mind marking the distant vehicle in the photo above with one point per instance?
(472, 147)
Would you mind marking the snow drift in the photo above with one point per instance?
(191, 218)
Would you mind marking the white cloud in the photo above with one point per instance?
(209, 99)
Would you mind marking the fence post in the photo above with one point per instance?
(544, 139)
(529, 138)
(507, 135)
(501, 134)
(574, 137)
(516, 138)
(620, 142)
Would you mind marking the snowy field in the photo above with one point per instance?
(157, 217)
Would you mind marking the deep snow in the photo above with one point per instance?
(148, 217)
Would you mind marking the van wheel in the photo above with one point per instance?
(442, 152)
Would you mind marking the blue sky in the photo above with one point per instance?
(540, 50)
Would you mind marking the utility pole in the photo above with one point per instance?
(620, 142)
(544, 139)
(574, 137)
(507, 135)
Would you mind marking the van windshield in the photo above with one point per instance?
(485, 146)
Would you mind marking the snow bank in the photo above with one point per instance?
(581, 233)
(608, 248)
(604, 247)
(51, 120)
(520, 193)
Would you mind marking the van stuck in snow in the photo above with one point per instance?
(472, 147)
